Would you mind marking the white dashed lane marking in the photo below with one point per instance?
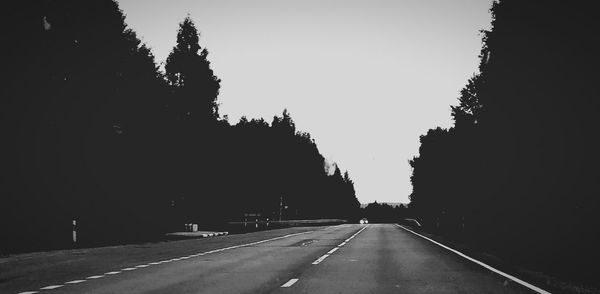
(94, 277)
(320, 259)
(51, 287)
(289, 283)
(167, 261)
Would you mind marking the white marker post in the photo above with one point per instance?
(74, 231)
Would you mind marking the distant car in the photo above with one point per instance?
(364, 221)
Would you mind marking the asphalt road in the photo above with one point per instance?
(376, 258)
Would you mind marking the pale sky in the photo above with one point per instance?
(364, 78)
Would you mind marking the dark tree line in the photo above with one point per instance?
(93, 131)
(384, 213)
(517, 174)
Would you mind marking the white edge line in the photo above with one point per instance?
(515, 279)
(289, 283)
(332, 250)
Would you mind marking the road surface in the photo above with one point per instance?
(350, 258)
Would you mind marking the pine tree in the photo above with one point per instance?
(193, 84)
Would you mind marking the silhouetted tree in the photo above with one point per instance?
(194, 85)
(96, 133)
(384, 213)
(515, 174)
(82, 118)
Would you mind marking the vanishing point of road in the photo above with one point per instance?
(348, 258)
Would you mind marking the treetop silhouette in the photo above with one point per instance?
(193, 83)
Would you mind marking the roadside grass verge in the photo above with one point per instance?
(549, 282)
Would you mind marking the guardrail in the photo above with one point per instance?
(256, 225)
(412, 222)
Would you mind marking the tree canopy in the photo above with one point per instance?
(193, 83)
(516, 173)
(96, 133)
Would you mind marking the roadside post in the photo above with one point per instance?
(249, 216)
(74, 228)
